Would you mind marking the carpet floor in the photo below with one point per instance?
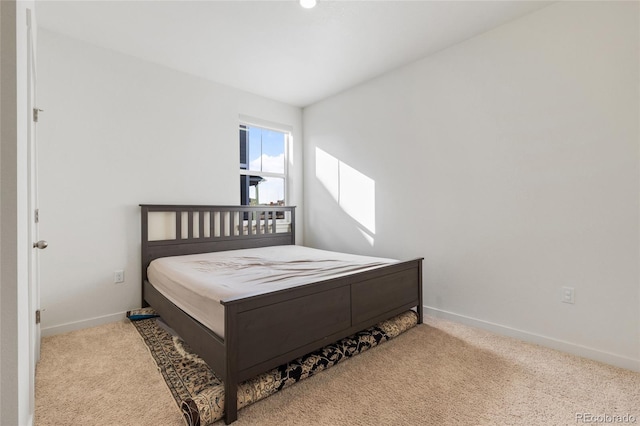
(439, 373)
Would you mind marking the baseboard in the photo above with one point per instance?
(561, 345)
(79, 325)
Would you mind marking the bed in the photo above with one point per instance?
(262, 329)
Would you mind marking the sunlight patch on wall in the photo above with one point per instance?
(367, 236)
(357, 196)
(328, 173)
(354, 192)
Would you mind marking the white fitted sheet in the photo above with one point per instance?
(197, 283)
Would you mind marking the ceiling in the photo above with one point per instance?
(277, 49)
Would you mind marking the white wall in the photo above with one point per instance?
(16, 374)
(117, 132)
(510, 162)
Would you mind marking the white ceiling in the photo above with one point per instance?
(276, 48)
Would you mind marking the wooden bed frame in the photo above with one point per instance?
(266, 330)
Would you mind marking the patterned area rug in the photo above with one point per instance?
(200, 393)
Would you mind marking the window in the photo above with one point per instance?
(263, 166)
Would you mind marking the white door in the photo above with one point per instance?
(32, 152)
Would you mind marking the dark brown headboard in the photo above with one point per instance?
(203, 229)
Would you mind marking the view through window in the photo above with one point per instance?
(263, 177)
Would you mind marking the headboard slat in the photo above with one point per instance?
(178, 225)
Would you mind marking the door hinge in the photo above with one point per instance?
(38, 316)
(36, 113)
(36, 216)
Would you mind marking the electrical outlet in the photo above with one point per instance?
(568, 295)
(118, 276)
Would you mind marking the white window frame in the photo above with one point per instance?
(287, 131)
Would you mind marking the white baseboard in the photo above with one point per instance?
(561, 345)
(78, 325)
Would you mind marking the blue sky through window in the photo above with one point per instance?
(266, 150)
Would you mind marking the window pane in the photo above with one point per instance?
(266, 191)
(272, 151)
(265, 150)
(255, 148)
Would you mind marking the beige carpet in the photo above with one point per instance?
(437, 374)
(101, 376)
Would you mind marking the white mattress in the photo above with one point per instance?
(197, 283)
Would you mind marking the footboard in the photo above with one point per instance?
(271, 329)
